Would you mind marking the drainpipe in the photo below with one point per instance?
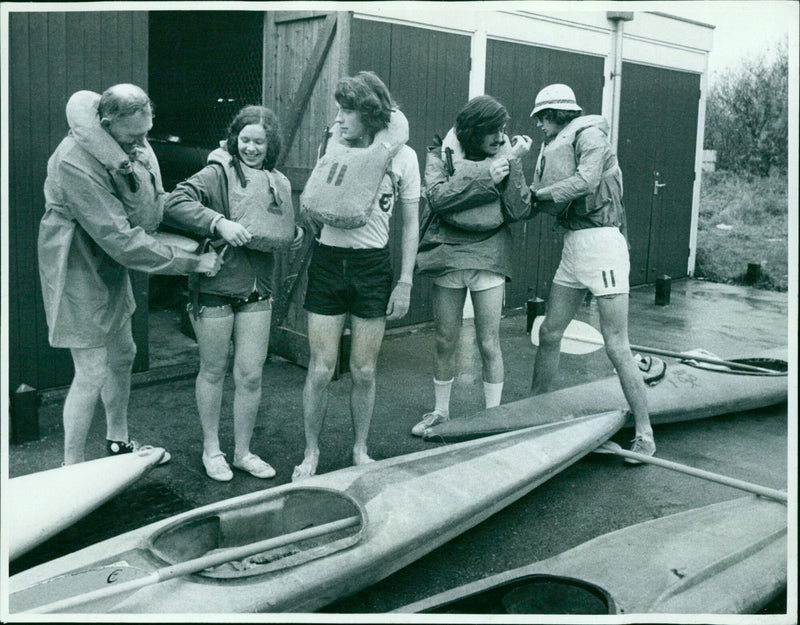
(619, 18)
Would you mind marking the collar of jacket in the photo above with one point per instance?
(85, 128)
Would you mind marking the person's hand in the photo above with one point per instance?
(520, 146)
(314, 225)
(210, 263)
(399, 301)
(234, 233)
(299, 234)
(498, 169)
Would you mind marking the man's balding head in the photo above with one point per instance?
(123, 100)
(126, 113)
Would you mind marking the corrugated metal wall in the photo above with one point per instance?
(54, 55)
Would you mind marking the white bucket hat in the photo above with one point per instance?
(559, 97)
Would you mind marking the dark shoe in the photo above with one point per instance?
(116, 448)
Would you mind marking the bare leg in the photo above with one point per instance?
(324, 333)
(84, 391)
(366, 343)
(562, 306)
(614, 326)
(213, 340)
(251, 343)
(488, 305)
(448, 308)
(116, 390)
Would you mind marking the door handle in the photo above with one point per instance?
(657, 185)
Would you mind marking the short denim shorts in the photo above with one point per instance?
(217, 306)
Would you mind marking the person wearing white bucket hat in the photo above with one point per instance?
(577, 179)
(557, 97)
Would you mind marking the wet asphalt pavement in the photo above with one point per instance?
(596, 495)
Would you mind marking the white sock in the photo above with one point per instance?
(492, 391)
(442, 392)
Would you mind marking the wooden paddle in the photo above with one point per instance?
(581, 338)
(610, 447)
(197, 564)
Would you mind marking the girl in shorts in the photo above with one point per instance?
(350, 271)
(235, 304)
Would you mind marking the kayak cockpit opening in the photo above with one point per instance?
(294, 527)
(536, 594)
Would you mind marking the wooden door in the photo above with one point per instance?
(514, 75)
(427, 72)
(51, 56)
(657, 143)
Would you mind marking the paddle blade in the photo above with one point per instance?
(609, 447)
(579, 337)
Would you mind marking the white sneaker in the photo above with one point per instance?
(255, 466)
(429, 420)
(642, 445)
(217, 468)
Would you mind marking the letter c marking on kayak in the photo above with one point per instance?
(112, 576)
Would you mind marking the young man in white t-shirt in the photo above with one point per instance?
(351, 272)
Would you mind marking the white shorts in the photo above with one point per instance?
(596, 259)
(472, 279)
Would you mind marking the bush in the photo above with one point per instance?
(747, 115)
(743, 219)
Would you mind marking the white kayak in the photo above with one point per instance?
(40, 505)
(725, 558)
(300, 546)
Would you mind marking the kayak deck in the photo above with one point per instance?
(728, 557)
(687, 392)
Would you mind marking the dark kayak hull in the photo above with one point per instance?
(686, 393)
(457, 486)
(726, 558)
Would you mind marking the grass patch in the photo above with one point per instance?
(743, 219)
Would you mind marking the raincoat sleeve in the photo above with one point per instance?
(590, 146)
(101, 214)
(470, 185)
(196, 204)
(516, 193)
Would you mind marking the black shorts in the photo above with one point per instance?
(343, 280)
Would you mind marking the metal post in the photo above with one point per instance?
(619, 18)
